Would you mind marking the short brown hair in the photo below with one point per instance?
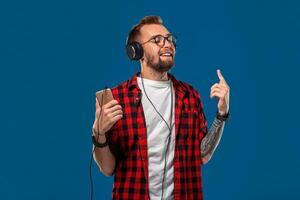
(135, 30)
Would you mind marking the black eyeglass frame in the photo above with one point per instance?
(171, 38)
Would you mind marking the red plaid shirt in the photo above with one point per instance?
(128, 142)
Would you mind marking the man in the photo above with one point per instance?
(153, 136)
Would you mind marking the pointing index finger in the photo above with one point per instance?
(221, 77)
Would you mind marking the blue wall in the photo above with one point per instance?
(54, 55)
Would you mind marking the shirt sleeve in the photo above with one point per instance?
(201, 114)
(114, 143)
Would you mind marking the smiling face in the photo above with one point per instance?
(158, 56)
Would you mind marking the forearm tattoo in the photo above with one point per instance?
(211, 140)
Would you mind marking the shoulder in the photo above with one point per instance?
(128, 84)
(120, 91)
(120, 87)
(125, 89)
(188, 89)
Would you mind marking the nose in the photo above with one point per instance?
(167, 43)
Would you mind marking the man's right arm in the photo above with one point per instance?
(105, 118)
(104, 158)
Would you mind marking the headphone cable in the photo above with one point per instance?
(169, 127)
(91, 160)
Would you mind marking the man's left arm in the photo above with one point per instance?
(210, 142)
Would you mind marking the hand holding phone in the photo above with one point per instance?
(108, 112)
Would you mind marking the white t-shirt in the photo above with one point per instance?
(159, 92)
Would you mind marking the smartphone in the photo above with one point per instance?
(104, 96)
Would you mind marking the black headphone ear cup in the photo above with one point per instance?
(134, 51)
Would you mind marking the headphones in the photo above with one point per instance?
(134, 50)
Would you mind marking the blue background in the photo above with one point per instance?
(54, 56)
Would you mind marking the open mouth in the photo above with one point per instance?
(166, 54)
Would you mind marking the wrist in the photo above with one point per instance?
(222, 116)
(99, 141)
(100, 137)
(222, 112)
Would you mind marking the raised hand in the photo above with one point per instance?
(221, 90)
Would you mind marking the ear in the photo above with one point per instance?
(142, 60)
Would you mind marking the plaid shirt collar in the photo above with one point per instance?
(179, 89)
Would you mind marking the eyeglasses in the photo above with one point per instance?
(160, 40)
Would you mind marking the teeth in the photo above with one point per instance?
(166, 54)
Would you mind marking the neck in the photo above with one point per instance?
(152, 74)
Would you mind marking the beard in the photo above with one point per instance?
(160, 65)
